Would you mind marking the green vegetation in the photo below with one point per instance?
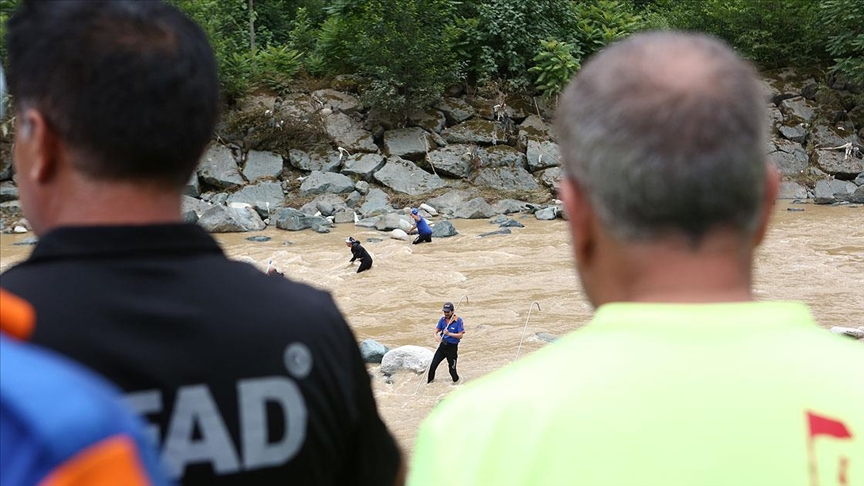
(405, 53)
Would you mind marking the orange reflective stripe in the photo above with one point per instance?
(17, 316)
(110, 462)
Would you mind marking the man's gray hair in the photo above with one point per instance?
(665, 133)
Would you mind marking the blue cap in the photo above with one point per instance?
(414, 211)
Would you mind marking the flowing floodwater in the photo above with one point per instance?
(815, 255)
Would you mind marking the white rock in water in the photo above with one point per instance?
(21, 229)
(848, 331)
(429, 209)
(412, 358)
(398, 234)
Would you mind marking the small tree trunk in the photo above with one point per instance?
(252, 25)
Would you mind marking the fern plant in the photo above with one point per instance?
(554, 66)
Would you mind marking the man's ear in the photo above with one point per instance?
(580, 213)
(772, 188)
(37, 143)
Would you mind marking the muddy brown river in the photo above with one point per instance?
(815, 256)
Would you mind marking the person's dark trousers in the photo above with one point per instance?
(422, 238)
(365, 264)
(448, 351)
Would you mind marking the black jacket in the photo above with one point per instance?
(359, 252)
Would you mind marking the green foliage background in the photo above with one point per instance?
(404, 53)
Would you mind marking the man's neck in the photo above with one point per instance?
(719, 270)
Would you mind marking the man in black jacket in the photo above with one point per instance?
(244, 379)
(359, 253)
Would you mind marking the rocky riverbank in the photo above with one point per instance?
(319, 158)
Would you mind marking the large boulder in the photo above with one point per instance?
(480, 132)
(455, 110)
(404, 176)
(218, 167)
(789, 157)
(264, 197)
(443, 229)
(345, 132)
(336, 101)
(233, 219)
(792, 190)
(377, 202)
(452, 160)
(363, 165)
(506, 179)
(372, 351)
(831, 191)
(430, 119)
(261, 165)
(542, 155)
(476, 208)
(322, 161)
(409, 143)
(500, 156)
(449, 201)
(326, 182)
(290, 219)
(410, 358)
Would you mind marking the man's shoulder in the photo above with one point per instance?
(33, 380)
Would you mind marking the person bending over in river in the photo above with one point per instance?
(424, 232)
(682, 374)
(359, 253)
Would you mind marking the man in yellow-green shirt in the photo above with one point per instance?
(681, 378)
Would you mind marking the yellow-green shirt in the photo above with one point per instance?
(661, 394)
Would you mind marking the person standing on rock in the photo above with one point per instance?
(359, 253)
(448, 332)
(424, 232)
(244, 378)
(682, 374)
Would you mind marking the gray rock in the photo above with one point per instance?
(190, 217)
(453, 160)
(347, 133)
(293, 220)
(476, 208)
(480, 132)
(512, 223)
(353, 199)
(344, 216)
(193, 186)
(220, 219)
(501, 156)
(792, 190)
(326, 204)
(219, 168)
(372, 351)
(455, 110)
(551, 177)
(795, 133)
(377, 203)
(789, 157)
(193, 204)
(8, 191)
(545, 336)
(260, 165)
(546, 214)
(857, 197)
(362, 187)
(326, 182)
(506, 179)
(403, 176)
(509, 206)
(322, 161)
(363, 166)
(430, 119)
(830, 191)
(542, 155)
(859, 180)
(336, 101)
(848, 331)
(504, 231)
(449, 201)
(799, 107)
(835, 162)
(258, 239)
(411, 358)
(265, 197)
(409, 143)
(443, 229)
(392, 221)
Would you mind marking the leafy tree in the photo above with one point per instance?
(601, 22)
(499, 38)
(402, 47)
(555, 64)
(843, 20)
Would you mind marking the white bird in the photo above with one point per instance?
(302, 178)
(343, 152)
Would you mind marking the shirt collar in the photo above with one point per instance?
(104, 241)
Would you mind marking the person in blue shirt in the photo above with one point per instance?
(423, 230)
(448, 332)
